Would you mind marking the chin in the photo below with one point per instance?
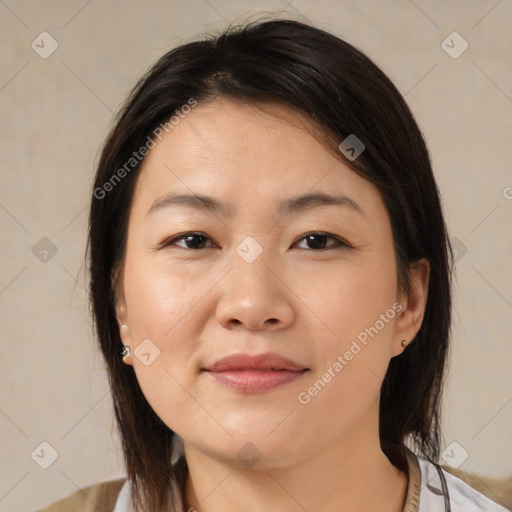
(253, 450)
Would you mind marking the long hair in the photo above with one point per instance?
(343, 93)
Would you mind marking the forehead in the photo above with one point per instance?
(239, 130)
(246, 153)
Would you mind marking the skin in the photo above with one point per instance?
(200, 304)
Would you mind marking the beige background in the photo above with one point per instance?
(55, 113)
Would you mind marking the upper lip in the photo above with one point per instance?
(262, 362)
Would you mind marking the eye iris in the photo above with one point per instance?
(188, 239)
(317, 245)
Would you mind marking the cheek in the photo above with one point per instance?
(352, 299)
(357, 318)
(163, 307)
(158, 300)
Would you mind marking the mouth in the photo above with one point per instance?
(255, 374)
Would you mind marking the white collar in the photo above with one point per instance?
(463, 498)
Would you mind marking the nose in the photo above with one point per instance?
(255, 296)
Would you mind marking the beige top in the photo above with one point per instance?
(103, 497)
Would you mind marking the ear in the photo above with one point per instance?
(413, 306)
(124, 331)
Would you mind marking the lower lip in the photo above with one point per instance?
(250, 381)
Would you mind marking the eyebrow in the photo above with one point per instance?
(291, 205)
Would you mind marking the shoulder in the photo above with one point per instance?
(100, 497)
(463, 497)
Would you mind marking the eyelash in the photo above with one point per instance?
(340, 243)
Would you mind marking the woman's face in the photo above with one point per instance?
(239, 273)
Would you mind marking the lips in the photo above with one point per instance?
(262, 362)
(255, 374)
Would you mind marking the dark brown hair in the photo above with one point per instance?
(342, 92)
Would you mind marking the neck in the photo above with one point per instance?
(350, 474)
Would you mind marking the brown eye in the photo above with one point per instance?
(318, 241)
(189, 241)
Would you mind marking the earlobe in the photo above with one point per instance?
(126, 348)
(124, 333)
(125, 354)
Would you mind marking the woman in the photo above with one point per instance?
(271, 284)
